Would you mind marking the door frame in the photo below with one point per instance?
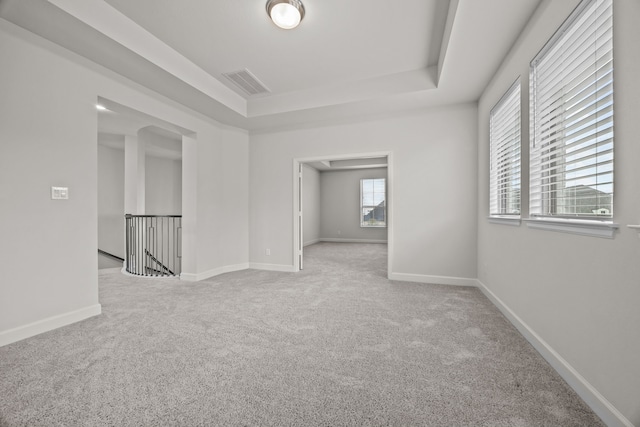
(297, 218)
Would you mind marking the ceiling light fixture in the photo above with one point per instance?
(285, 14)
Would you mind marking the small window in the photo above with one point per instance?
(373, 210)
(504, 143)
(571, 158)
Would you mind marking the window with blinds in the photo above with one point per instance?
(504, 143)
(571, 84)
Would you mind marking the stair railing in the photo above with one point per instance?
(153, 245)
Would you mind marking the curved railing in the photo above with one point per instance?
(153, 245)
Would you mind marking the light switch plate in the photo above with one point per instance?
(59, 193)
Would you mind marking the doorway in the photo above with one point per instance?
(139, 172)
(342, 175)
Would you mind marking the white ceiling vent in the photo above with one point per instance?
(247, 82)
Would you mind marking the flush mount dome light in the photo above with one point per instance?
(285, 14)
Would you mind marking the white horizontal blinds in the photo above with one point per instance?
(504, 136)
(571, 159)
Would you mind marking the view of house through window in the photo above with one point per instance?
(504, 142)
(373, 211)
(571, 169)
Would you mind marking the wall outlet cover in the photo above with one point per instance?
(59, 193)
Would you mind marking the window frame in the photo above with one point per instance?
(373, 207)
(508, 147)
(546, 201)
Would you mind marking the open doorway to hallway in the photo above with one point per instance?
(139, 172)
(342, 199)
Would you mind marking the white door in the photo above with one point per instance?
(300, 224)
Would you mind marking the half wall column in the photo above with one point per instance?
(134, 175)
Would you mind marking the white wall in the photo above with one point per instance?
(311, 206)
(434, 225)
(111, 200)
(48, 134)
(163, 176)
(215, 209)
(340, 199)
(575, 296)
(163, 181)
(134, 175)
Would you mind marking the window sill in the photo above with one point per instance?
(601, 229)
(505, 220)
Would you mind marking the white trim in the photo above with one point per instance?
(48, 324)
(504, 220)
(597, 402)
(273, 267)
(435, 280)
(196, 277)
(295, 220)
(352, 240)
(390, 212)
(124, 271)
(601, 229)
(311, 242)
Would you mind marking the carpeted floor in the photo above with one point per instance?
(335, 345)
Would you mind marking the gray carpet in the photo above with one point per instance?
(334, 345)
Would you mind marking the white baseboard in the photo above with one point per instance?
(272, 267)
(436, 280)
(48, 324)
(196, 277)
(332, 240)
(124, 271)
(311, 242)
(597, 402)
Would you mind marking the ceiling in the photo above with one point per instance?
(117, 121)
(161, 143)
(349, 164)
(348, 59)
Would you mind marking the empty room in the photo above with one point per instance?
(305, 212)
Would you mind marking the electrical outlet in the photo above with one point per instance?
(267, 251)
(59, 193)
